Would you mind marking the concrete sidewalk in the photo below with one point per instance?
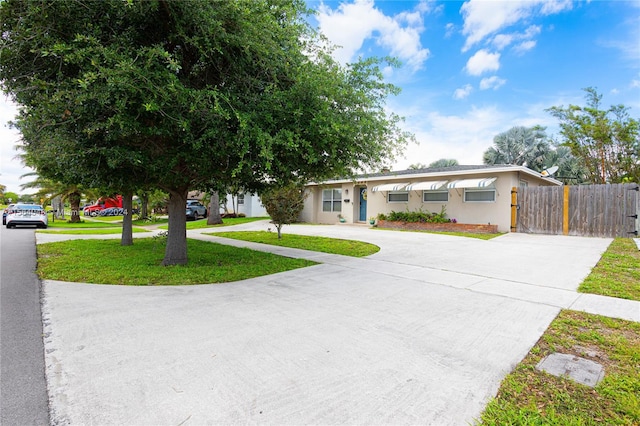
(421, 332)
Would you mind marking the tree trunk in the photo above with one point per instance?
(279, 228)
(214, 209)
(127, 226)
(144, 208)
(176, 251)
(74, 202)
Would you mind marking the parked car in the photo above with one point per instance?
(4, 213)
(194, 209)
(27, 214)
(101, 204)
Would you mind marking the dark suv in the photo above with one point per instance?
(194, 209)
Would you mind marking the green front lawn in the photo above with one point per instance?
(230, 221)
(58, 223)
(104, 231)
(322, 244)
(107, 262)
(531, 397)
(617, 274)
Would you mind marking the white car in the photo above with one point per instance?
(28, 215)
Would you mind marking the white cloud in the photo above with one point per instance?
(635, 84)
(484, 18)
(550, 7)
(492, 83)
(467, 134)
(464, 137)
(500, 41)
(351, 24)
(614, 91)
(449, 29)
(462, 92)
(483, 61)
(525, 46)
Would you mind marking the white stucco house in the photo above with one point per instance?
(470, 194)
(247, 204)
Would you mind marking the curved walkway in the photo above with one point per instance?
(421, 332)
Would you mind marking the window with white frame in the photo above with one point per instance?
(481, 195)
(398, 197)
(523, 183)
(240, 199)
(332, 200)
(435, 196)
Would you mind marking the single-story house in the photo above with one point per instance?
(247, 204)
(468, 194)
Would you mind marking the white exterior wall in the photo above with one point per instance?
(252, 206)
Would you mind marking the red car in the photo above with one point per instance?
(101, 204)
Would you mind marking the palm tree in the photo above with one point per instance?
(570, 168)
(48, 189)
(521, 146)
(444, 162)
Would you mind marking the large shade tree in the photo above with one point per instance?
(606, 141)
(178, 94)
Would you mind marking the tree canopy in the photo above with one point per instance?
(607, 142)
(181, 95)
(444, 162)
(520, 146)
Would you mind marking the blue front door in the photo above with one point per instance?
(363, 204)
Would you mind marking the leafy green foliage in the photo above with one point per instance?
(284, 204)
(519, 146)
(606, 141)
(184, 95)
(417, 216)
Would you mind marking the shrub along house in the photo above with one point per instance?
(468, 194)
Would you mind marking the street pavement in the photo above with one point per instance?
(23, 391)
(421, 332)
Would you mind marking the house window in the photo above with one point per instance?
(524, 183)
(398, 196)
(332, 200)
(435, 196)
(240, 199)
(479, 195)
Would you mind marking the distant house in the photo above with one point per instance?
(469, 194)
(247, 204)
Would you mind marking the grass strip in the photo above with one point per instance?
(106, 262)
(531, 397)
(58, 223)
(104, 231)
(322, 244)
(229, 221)
(617, 273)
(479, 236)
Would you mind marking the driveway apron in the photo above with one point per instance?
(421, 332)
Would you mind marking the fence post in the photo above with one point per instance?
(565, 211)
(514, 208)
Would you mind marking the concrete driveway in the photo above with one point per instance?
(421, 332)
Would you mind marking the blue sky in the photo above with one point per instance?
(471, 69)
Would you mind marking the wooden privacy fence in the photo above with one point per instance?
(583, 210)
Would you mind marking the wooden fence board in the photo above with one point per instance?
(594, 210)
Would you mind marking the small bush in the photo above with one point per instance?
(416, 217)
